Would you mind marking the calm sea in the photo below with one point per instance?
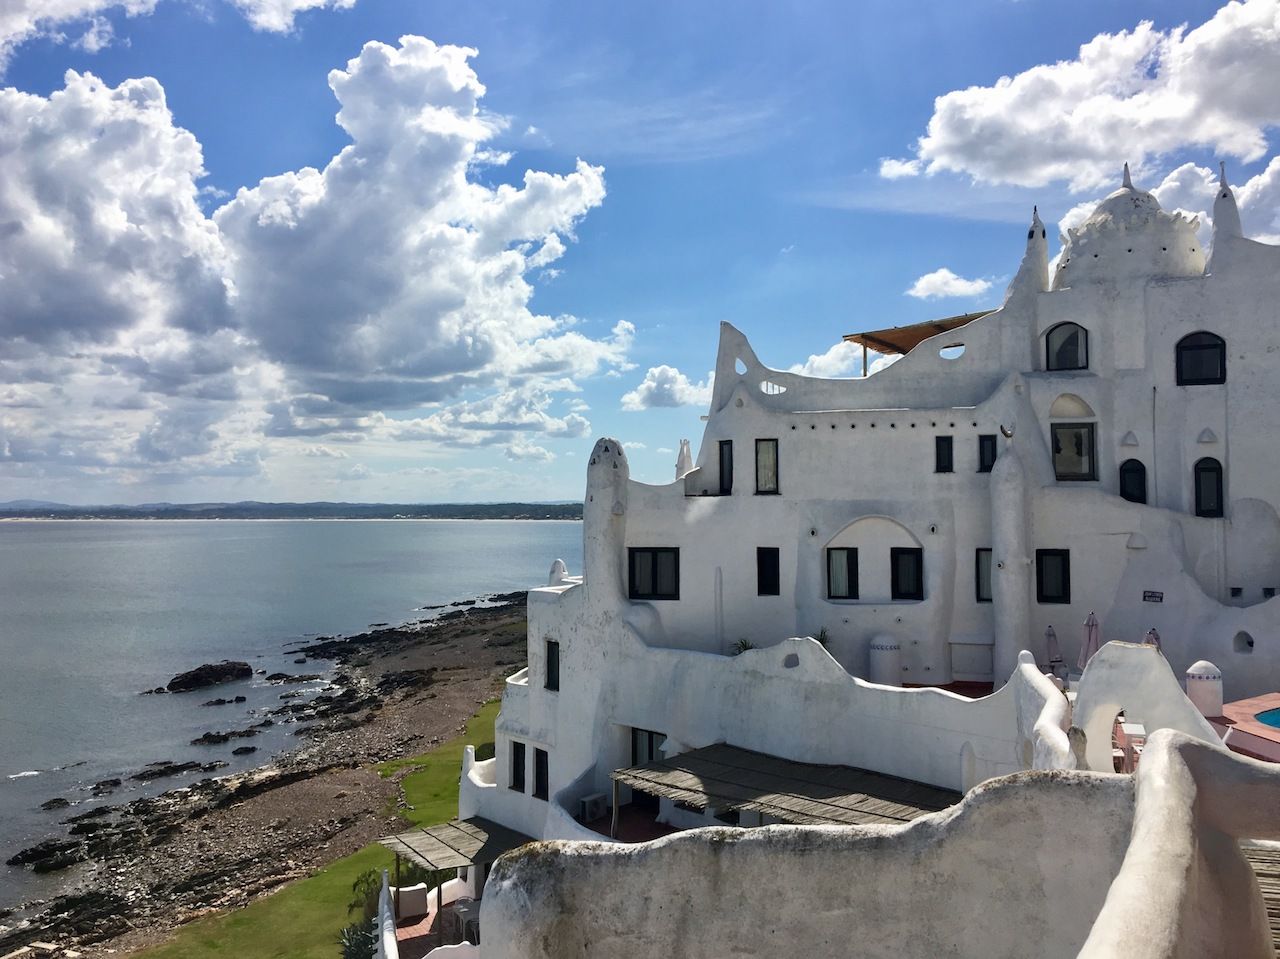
(93, 612)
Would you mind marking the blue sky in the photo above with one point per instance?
(392, 309)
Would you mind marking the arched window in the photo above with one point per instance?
(1067, 347)
(1202, 359)
(1133, 481)
(1208, 473)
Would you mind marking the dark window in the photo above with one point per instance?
(986, 452)
(766, 466)
(1202, 360)
(517, 766)
(1074, 455)
(655, 573)
(1208, 487)
(942, 459)
(541, 786)
(645, 746)
(842, 574)
(767, 571)
(726, 467)
(1133, 481)
(906, 572)
(1268, 592)
(1067, 348)
(1237, 592)
(553, 665)
(982, 575)
(1053, 576)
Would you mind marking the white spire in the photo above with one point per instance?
(1033, 273)
(1128, 183)
(1222, 179)
(1226, 216)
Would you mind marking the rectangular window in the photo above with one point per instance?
(766, 466)
(982, 575)
(907, 572)
(1268, 592)
(986, 452)
(516, 781)
(541, 784)
(842, 574)
(1074, 456)
(553, 665)
(943, 461)
(726, 467)
(655, 573)
(1053, 576)
(768, 575)
(1237, 592)
(645, 746)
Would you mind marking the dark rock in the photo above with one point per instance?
(244, 750)
(406, 679)
(49, 855)
(224, 702)
(215, 739)
(57, 802)
(162, 769)
(287, 678)
(299, 662)
(104, 786)
(210, 674)
(211, 766)
(153, 692)
(91, 814)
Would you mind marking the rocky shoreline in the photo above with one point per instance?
(139, 868)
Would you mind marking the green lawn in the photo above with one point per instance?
(302, 920)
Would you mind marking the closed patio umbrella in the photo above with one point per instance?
(1092, 640)
(1153, 639)
(684, 460)
(1054, 652)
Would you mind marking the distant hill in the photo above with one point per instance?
(37, 509)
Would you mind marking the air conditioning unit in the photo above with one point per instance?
(593, 807)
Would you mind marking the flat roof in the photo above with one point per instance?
(727, 777)
(460, 842)
(904, 339)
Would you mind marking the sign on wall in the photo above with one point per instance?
(1151, 596)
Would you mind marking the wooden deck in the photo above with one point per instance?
(1266, 866)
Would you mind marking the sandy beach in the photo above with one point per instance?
(216, 844)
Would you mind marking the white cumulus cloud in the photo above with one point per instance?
(667, 386)
(943, 283)
(1137, 94)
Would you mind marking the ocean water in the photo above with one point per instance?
(91, 613)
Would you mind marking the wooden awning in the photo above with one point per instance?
(904, 339)
(726, 777)
(461, 842)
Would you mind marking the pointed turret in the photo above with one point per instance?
(1226, 217)
(1033, 275)
(1128, 183)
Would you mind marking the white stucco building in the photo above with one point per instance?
(1104, 442)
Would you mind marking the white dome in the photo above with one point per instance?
(1204, 670)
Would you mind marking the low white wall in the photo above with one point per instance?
(386, 947)
(1136, 678)
(1185, 890)
(1020, 868)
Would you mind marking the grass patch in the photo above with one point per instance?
(302, 920)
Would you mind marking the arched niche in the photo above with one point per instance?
(1069, 406)
(877, 539)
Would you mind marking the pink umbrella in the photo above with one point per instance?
(1092, 640)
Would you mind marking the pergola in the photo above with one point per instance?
(452, 845)
(904, 339)
(727, 777)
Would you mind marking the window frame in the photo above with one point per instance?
(1133, 467)
(851, 570)
(777, 471)
(761, 569)
(516, 783)
(977, 575)
(1182, 348)
(1092, 475)
(726, 475)
(550, 676)
(1048, 350)
(944, 457)
(988, 452)
(1208, 465)
(896, 592)
(541, 774)
(1042, 596)
(633, 553)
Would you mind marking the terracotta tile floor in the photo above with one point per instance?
(634, 825)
